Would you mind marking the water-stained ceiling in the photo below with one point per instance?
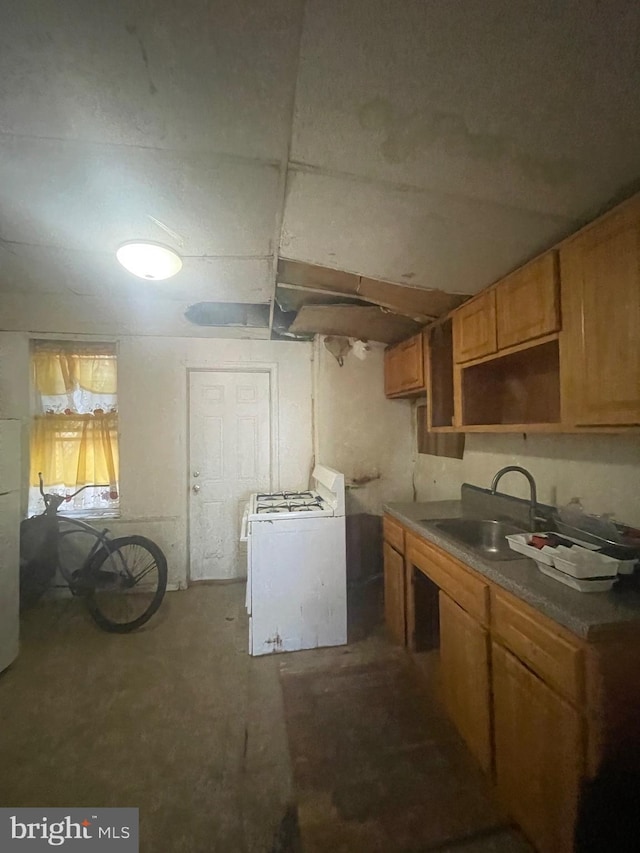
(424, 143)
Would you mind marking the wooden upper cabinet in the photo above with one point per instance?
(600, 342)
(527, 302)
(391, 372)
(404, 368)
(474, 328)
(523, 306)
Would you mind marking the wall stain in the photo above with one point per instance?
(288, 839)
(276, 642)
(407, 135)
(132, 29)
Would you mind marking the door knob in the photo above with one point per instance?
(196, 473)
(196, 488)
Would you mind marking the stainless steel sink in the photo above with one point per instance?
(485, 536)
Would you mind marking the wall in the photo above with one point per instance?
(603, 470)
(360, 432)
(337, 415)
(152, 393)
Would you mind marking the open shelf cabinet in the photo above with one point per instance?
(520, 387)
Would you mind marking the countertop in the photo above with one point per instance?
(584, 614)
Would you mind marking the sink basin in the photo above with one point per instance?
(485, 536)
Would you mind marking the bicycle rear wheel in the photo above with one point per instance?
(127, 582)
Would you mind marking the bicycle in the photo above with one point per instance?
(122, 581)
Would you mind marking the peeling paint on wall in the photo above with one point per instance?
(360, 432)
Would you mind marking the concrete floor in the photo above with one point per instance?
(175, 719)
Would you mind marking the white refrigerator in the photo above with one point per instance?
(10, 474)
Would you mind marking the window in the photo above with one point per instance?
(74, 429)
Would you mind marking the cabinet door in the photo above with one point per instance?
(600, 344)
(413, 363)
(391, 372)
(404, 367)
(394, 594)
(464, 663)
(426, 360)
(527, 304)
(474, 328)
(538, 753)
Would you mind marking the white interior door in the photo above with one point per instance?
(229, 458)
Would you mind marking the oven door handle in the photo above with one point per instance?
(244, 525)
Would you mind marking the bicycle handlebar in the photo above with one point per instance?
(56, 500)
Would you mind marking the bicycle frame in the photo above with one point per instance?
(101, 572)
(76, 525)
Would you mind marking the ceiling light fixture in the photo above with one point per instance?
(149, 260)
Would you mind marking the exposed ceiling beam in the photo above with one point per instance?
(369, 323)
(422, 305)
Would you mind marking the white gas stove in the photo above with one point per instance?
(296, 566)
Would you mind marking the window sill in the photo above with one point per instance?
(84, 515)
(90, 514)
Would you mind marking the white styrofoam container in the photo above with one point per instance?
(548, 555)
(582, 564)
(518, 542)
(582, 585)
(627, 567)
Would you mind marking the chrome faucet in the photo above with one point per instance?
(533, 500)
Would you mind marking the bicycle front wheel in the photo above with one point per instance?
(128, 581)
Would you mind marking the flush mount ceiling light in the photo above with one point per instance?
(149, 260)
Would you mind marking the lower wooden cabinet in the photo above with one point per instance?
(538, 753)
(539, 707)
(469, 590)
(394, 594)
(464, 663)
(393, 533)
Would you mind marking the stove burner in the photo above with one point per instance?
(285, 496)
(307, 504)
(302, 502)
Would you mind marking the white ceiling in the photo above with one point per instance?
(424, 142)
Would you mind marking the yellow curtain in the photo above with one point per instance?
(74, 449)
(60, 371)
